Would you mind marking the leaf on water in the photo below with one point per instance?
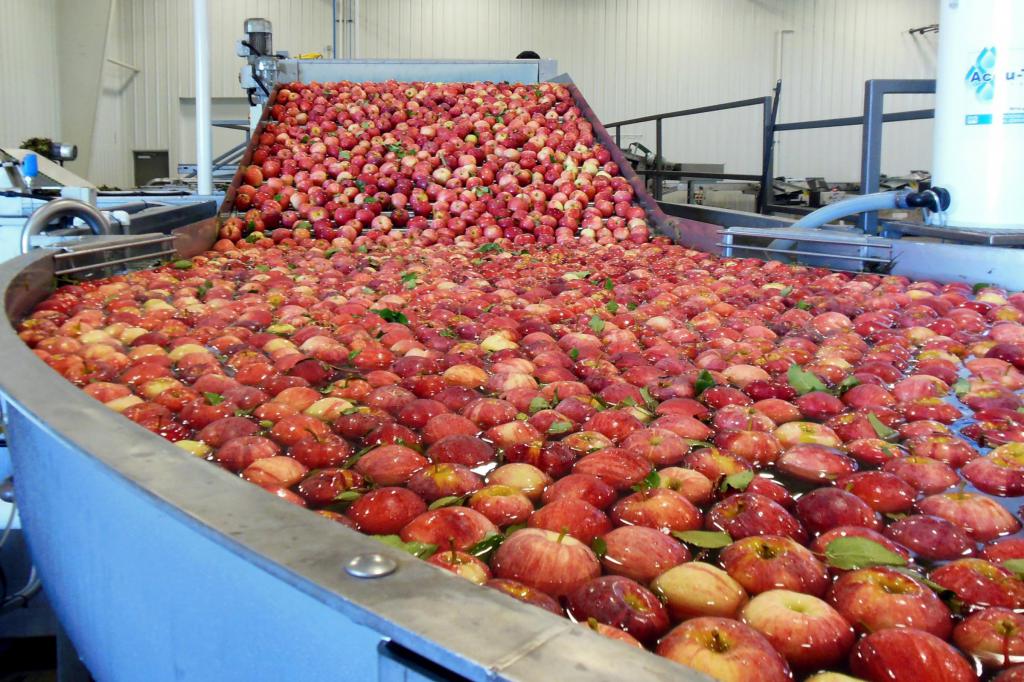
(979, 286)
(1014, 565)
(851, 553)
(353, 355)
(785, 292)
(574, 354)
(738, 481)
(612, 307)
(213, 398)
(447, 501)
(803, 305)
(600, 547)
(883, 431)
(694, 443)
(705, 539)
(538, 404)
(483, 549)
(559, 427)
(961, 387)
(803, 381)
(649, 400)
(421, 550)
(182, 264)
(608, 284)
(392, 316)
(650, 481)
(487, 248)
(846, 384)
(704, 382)
(351, 461)
(596, 324)
(348, 496)
(582, 274)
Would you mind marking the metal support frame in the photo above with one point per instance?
(872, 121)
(871, 147)
(769, 110)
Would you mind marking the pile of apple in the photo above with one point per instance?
(357, 163)
(755, 469)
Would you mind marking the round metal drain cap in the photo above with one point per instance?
(370, 566)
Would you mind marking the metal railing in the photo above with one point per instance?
(233, 155)
(768, 113)
(871, 139)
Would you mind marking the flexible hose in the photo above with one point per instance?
(879, 201)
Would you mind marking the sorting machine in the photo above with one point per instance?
(161, 566)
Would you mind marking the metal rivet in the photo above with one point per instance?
(370, 566)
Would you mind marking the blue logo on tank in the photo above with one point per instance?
(980, 77)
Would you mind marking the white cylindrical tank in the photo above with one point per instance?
(979, 113)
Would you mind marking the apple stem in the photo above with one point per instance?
(562, 534)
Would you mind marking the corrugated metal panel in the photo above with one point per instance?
(28, 70)
(630, 57)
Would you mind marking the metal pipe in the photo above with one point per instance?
(60, 208)
(334, 29)
(355, 29)
(204, 131)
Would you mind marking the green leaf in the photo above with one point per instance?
(979, 286)
(846, 384)
(362, 248)
(483, 549)
(1014, 565)
(608, 284)
(353, 355)
(480, 191)
(360, 185)
(392, 316)
(883, 431)
(203, 288)
(650, 481)
(649, 400)
(213, 398)
(574, 354)
(351, 461)
(961, 387)
(559, 427)
(266, 424)
(522, 416)
(600, 547)
(631, 306)
(582, 274)
(182, 264)
(704, 382)
(487, 248)
(693, 443)
(447, 501)
(705, 539)
(330, 252)
(421, 550)
(262, 268)
(410, 279)
(849, 553)
(786, 292)
(538, 404)
(348, 496)
(612, 307)
(803, 381)
(802, 305)
(738, 481)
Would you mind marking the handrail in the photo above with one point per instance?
(768, 117)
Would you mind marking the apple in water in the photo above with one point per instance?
(725, 650)
(875, 598)
(571, 515)
(995, 636)
(930, 537)
(461, 564)
(749, 514)
(385, 511)
(809, 633)
(772, 562)
(660, 508)
(981, 583)
(502, 504)
(908, 655)
(554, 563)
(979, 516)
(448, 528)
(699, 589)
(621, 602)
(641, 553)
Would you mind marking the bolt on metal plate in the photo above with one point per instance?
(370, 566)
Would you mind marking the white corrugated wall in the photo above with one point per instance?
(28, 71)
(631, 57)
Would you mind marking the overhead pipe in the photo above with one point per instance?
(204, 129)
